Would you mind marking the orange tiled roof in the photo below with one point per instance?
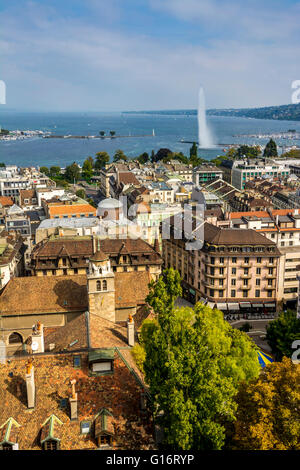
(75, 209)
(119, 393)
(6, 201)
(237, 215)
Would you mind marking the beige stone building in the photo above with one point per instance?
(55, 301)
(235, 270)
(61, 256)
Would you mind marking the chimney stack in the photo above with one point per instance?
(30, 386)
(73, 402)
(130, 331)
(37, 344)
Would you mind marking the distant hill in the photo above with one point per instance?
(286, 112)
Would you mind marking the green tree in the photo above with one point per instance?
(248, 151)
(119, 155)
(72, 173)
(143, 158)
(91, 202)
(268, 410)
(194, 362)
(282, 332)
(87, 168)
(81, 193)
(44, 170)
(55, 171)
(270, 149)
(102, 158)
(194, 151)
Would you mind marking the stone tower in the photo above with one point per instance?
(101, 286)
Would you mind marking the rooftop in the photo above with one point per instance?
(119, 393)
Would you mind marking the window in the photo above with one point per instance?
(104, 285)
(104, 440)
(233, 271)
(233, 293)
(258, 270)
(102, 366)
(98, 285)
(234, 260)
(211, 292)
(221, 293)
(50, 445)
(258, 260)
(76, 362)
(15, 338)
(85, 427)
(233, 282)
(257, 282)
(270, 293)
(245, 293)
(257, 293)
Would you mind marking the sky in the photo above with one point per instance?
(117, 55)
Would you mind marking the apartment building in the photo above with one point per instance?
(205, 173)
(248, 170)
(236, 270)
(12, 183)
(11, 257)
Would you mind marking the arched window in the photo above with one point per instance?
(98, 284)
(104, 285)
(15, 338)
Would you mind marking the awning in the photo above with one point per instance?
(257, 305)
(233, 306)
(211, 304)
(222, 306)
(270, 305)
(203, 300)
(245, 305)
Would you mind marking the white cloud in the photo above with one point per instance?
(58, 62)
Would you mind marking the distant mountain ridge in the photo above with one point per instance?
(286, 112)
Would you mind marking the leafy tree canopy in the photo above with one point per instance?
(45, 170)
(81, 193)
(72, 173)
(268, 410)
(270, 149)
(119, 155)
(102, 158)
(282, 332)
(143, 158)
(194, 362)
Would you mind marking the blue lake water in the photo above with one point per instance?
(169, 130)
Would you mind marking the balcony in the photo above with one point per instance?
(246, 265)
(271, 265)
(271, 276)
(245, 276)
(245, 287)
(269, 287)
(216, 276)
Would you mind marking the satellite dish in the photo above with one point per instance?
(34, 346)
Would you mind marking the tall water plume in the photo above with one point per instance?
(204, 135)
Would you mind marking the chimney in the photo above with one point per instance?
(73, 402)
(130, 331)
(37, 344)
(30, 386)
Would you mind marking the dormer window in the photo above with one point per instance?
(104, 428)
(101, 361)
(49, 439)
